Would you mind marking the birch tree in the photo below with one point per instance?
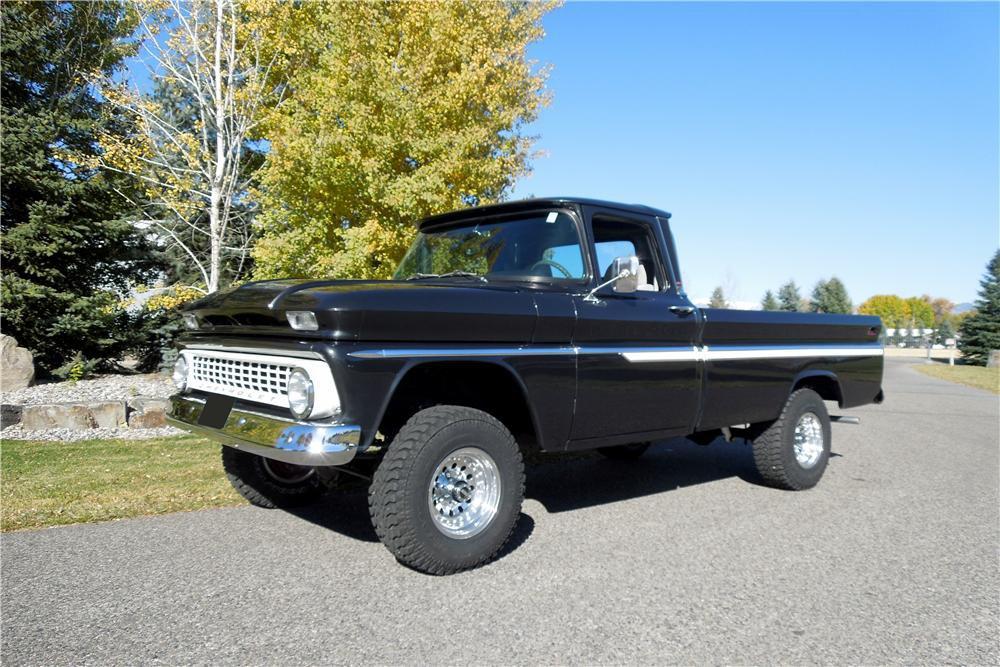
(191, 152)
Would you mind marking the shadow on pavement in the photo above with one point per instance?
(345, 513)
(567, 485)
(563, 483)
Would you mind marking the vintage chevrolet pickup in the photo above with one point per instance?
(548, 324)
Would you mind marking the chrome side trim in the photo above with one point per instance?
(398, 353)
(735, 352)
(663, 354)
(302, 443)
(640, 354)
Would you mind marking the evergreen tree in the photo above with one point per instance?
(769, 302)
(944, 331)
(789, 297)
(66, 242)
(718, 299)
(981, 332)
(830, 296)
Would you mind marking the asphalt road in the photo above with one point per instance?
(680, 558)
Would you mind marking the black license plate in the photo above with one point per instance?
(216, 411)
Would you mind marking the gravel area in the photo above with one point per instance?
(106, 388)
(15, 432)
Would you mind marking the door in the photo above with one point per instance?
(637, 365)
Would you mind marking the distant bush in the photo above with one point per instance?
(160, 323)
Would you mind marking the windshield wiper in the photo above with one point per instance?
(449, 274)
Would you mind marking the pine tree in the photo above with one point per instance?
(789, 297)
(980, 333)
(830, 296)
(944, 331)
(718, 299)
(769, 302)
(66, 244)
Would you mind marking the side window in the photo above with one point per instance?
(614, 237)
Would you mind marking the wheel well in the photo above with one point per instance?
(826, 386)
(484, 386)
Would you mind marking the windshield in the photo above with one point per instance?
(533, 246)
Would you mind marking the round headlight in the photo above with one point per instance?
(300, 393)
(181, 372)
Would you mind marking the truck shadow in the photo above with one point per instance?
(590, 479)
(563, 483)
(346, 513)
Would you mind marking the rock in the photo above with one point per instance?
(17, 366)
(10, 414)
(147, 412)
(994, 359)
(107, 414)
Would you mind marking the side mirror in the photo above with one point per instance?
(624, 277)
(626, 269)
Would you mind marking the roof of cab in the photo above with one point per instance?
(541, 202)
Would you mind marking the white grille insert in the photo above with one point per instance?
(266, 380)
(259, 378)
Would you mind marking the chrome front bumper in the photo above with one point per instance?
(303, 443)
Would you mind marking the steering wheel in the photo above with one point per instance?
(556, 265)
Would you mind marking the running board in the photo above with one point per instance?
(843, 419)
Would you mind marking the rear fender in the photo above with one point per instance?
(824, 383)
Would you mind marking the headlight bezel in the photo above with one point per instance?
(181, 371)
(303, 409)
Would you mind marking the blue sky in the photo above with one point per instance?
(789, 140)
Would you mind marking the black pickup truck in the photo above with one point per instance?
(548, 324)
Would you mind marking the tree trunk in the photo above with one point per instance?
(215, 211)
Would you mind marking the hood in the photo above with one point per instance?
(374, 310)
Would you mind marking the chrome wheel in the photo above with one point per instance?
(808, 440)
(287, 473)
(464, 493)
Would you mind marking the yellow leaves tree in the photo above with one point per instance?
(394, 111)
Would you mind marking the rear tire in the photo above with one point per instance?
(271, 484)
(448, 492)
(624, 452)
(792, 453)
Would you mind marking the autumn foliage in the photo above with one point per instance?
(393, 111)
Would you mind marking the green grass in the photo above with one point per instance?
(56, 483)
(974, 376)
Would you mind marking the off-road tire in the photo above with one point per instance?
(398, 496)
(251, 479)
(625, 452)
(773, 449)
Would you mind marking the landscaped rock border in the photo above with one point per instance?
(111, 406)
(139, 412)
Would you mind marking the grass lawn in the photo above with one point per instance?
(54, 483)
(974, 376)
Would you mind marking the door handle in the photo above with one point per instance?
(682, 310)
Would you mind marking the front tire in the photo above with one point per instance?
(448, 492)
(792, 453)
(271, 484)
